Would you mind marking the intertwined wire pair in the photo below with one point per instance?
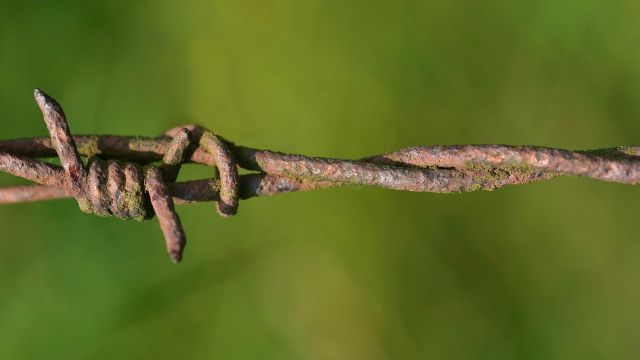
(136, 189)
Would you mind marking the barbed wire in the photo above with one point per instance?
(119, 177)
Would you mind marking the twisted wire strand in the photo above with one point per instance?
(591, 163)
(120, 180)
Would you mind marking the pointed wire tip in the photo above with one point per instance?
(46, 101)
(39, 95)
(176, 257)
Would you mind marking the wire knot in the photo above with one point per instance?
(116, 189)
(129, 191)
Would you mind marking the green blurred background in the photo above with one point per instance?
(543, 271)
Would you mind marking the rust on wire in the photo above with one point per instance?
(119, 177)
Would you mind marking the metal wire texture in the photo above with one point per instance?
(134, 177)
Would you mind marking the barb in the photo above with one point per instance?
(119, 178)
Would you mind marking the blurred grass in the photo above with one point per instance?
(543, 271)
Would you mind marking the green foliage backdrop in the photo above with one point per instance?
(543, 271)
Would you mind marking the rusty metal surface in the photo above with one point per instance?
(119, 178)
(34, 170)
(29, 193)
(228, 204)
(63, 142)
(167, 216)
(617, 166)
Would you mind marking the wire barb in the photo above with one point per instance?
(110, 188)
(119, 178)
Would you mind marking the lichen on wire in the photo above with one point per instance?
(120, 178)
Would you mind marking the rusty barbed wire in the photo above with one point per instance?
(119, 177)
